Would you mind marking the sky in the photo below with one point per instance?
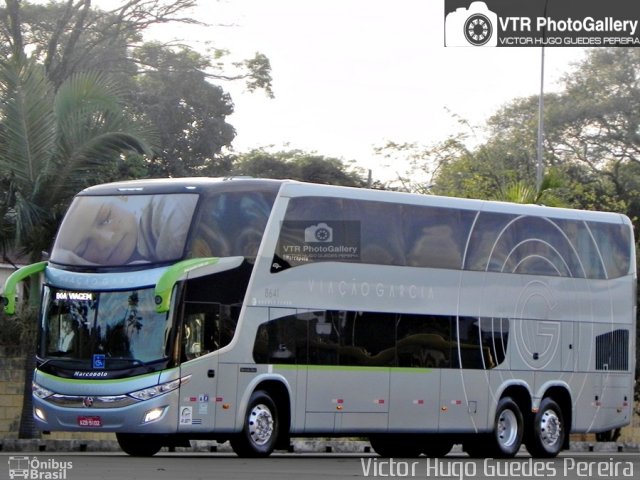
(350, 75)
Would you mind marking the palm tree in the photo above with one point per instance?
(51, 145)
(522, 192)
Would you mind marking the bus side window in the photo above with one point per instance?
(282, 340)
(424, 341)
(226, 323)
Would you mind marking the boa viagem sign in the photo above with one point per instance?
(534, 23)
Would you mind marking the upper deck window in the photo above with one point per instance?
(112, 231)
(231, 224)
(386, 233)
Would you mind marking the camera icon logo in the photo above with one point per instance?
(320, 233)
(473, 26)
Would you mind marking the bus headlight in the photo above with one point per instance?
(40, 414)
(152, 392)
(39, 391)
(154, 414)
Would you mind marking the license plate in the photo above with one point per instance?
(84, 421)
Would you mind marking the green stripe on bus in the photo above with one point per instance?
(354, 368)
(165, 284)
(11, 284)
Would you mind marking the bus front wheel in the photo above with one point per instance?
(261, 427)
(548, 430)
(138, 445)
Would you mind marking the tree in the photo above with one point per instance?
(52, 145)
(188, 112)
(168, 85)
(297, 165)
(67, 36)
(590, 142)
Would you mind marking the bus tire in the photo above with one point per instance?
(261, 427)
(138, 445)
(508, 429)
(549, 430)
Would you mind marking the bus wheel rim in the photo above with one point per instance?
(507, 428)
(550, 428)
(261, 424)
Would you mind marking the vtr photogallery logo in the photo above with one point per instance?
(538, 23)
(475, 26)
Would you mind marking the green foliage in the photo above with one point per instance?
(188, 112)
(167, 86)
(20, 330)
(297, 165)
(591, 144)
(51, 145)
(521, 192)
(259, 73)
(425, 162)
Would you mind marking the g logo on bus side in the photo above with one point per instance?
(538, 340)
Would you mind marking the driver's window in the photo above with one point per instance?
(193, 336)
(200, 330)
(210, 309)
(207, 327)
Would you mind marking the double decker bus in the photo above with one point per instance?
(255, 311)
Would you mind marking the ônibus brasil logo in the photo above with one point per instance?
(40, 469)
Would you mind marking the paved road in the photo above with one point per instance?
(177, 466)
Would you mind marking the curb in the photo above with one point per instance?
(297, 446)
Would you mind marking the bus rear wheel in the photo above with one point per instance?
(138, 445)
(549, 433)
(259, 434)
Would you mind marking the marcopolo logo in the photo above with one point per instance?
(475, 26)
(40, 469)
(506, 23)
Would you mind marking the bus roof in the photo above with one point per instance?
(181, 185)
(292, 188)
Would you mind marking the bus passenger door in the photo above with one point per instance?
(199, 337)
(208, 311)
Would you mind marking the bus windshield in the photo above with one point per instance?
(113, 231)
(106, 330)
